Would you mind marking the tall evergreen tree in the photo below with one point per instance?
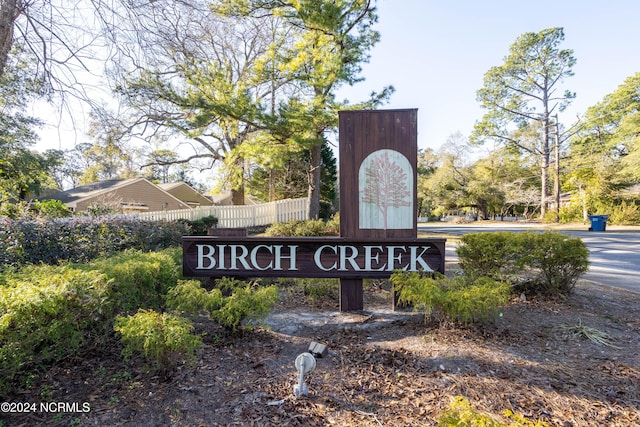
(522, 95)
(334, 40)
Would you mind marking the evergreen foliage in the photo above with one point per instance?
(547, 263)
(164, 339)
(81, 239)
(312, 227)
(461, 414)
(245, 300)
(51, 313)
(460, 299)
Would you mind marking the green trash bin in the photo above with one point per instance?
(598, 222)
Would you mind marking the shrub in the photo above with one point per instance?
(190, 297)
(245, 301)
(557, 261)
(297, 228)
(571, 213)
(626, 213)
(493, 255)
(547, 263)
(550, 217)
(165, 340)
(200, 227)
(461, 414)
(460, 298)
(48, 315)
(248, 302)
(140, 280)
(51, 209)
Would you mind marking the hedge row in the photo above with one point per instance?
(81, 239)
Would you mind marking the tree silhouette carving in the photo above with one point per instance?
(385, 185)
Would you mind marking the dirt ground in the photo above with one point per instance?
(383, 368)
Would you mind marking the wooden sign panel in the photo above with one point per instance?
(378, 182)
(332, 257)
(378, 179)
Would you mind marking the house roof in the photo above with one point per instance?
(91, 190)
(186, 193)
(96, 189)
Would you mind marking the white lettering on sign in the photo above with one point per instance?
(393, 257)
(318, 260)
(239, 255)
(367, 258)
(291, 257)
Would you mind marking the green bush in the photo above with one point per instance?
(51, 209)
(48, 315)
(496, 255)
(550, 217)
(200, 227)
(571, 213)
(140, 280)
(460, 299)
(165, 340)
(625, 213)
(42, 210)
(245, 301)
(547, 263)
(461, 414)
(297, 228)
(555, 262)
(189, 296)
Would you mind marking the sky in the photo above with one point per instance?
(436, 53)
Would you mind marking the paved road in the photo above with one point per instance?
(614, 254)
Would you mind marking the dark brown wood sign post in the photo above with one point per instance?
(378, 223)
(378, 182)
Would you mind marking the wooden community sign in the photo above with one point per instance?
(378, 154)
(332, 257)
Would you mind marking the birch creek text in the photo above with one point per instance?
(254, 257)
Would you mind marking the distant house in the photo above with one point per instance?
(186, 194)
(123, 195)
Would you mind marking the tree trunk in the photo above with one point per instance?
(544, 186)
(556, 181)
(8, 14)
(546, 155)
(237, 194)
(315, 157)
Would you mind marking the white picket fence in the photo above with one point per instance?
(238, 216)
